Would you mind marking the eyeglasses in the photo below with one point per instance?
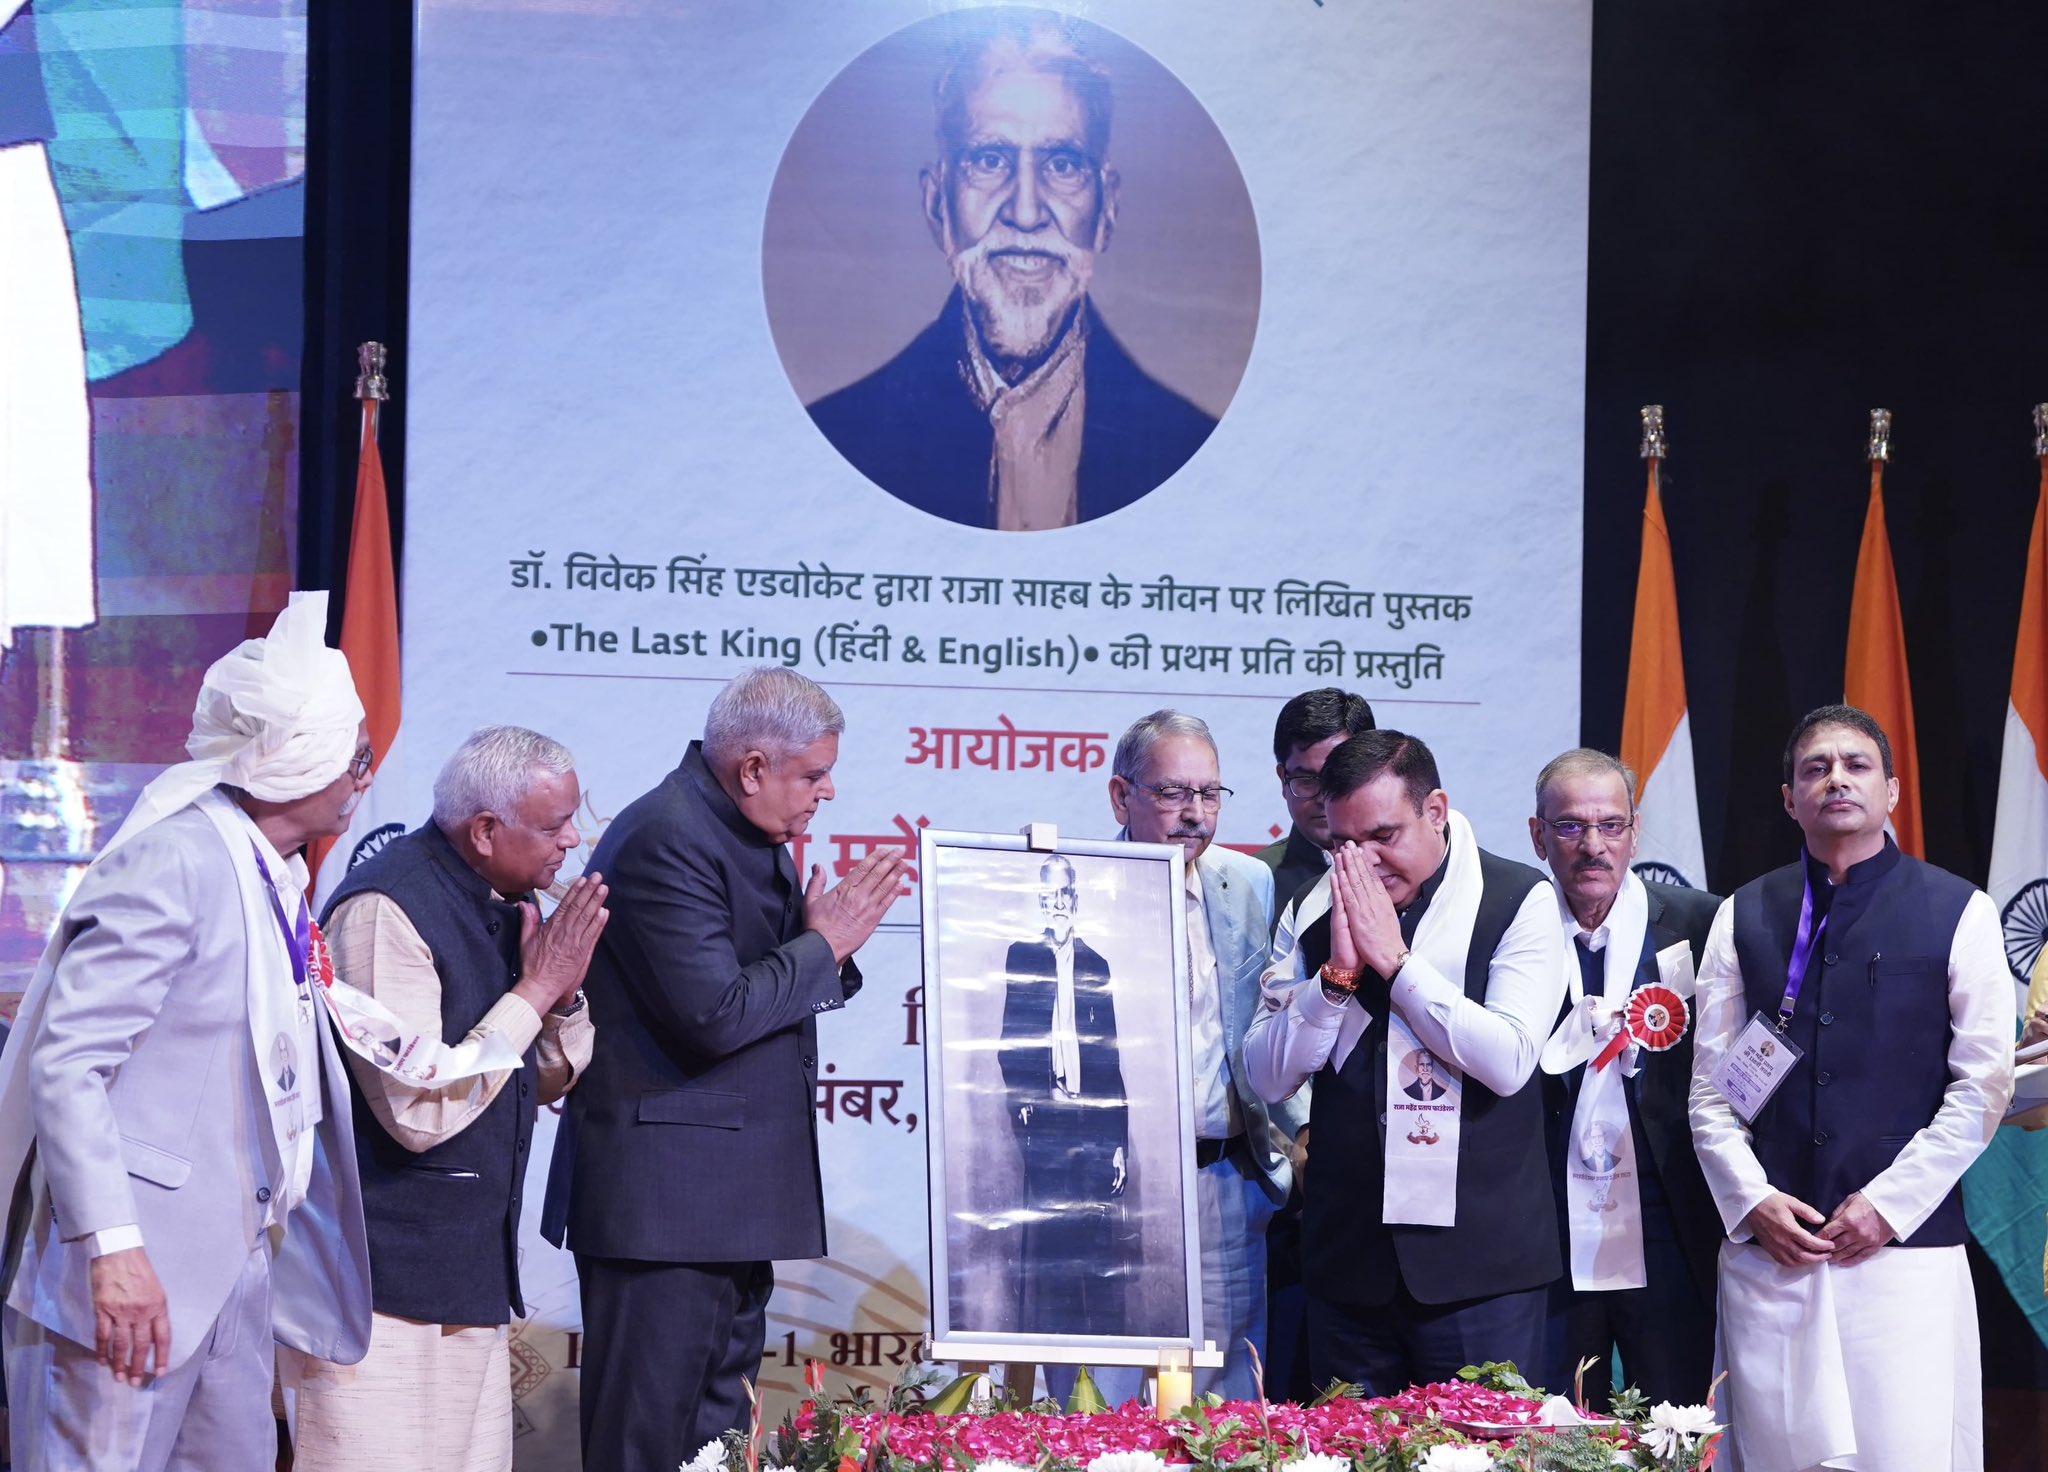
(1302, 785)
(359, 765)
(1171, 798)
(1571, 830)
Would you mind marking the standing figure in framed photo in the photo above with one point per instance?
(1070, 1118)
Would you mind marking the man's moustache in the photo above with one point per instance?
(989, 245)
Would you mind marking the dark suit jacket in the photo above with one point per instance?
(1658, 1095)
(1296, 864)
(913, 427)
(692, 1136)
(1026, 1060)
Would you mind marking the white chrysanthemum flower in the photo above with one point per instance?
(1317, 1462)
(710, 1458)
(1673, 1428)
(1624, 1459)
(997, 1465)
(1458, 1459)
(1126, 1462)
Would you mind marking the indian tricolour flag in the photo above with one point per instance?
(2003, 1191)
(1875, 678)
(1656, 728)
(2019, 842)
(369, 637)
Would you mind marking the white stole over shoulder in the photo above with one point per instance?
(1423, 1126)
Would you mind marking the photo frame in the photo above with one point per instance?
(1060, 1100)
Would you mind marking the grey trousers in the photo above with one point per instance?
(211, 1414)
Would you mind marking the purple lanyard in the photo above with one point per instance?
(1803, 947)
(298, 939)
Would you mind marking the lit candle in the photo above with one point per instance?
(1175, 1386)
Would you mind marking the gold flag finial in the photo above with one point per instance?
(1655, 446)
(2041, 429)
(371, 383)
(1880, 434)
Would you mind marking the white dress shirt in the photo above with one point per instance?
(1216, 1112)
(1498, 1042)
(1066, 1032)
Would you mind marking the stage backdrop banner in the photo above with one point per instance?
(1014, 373)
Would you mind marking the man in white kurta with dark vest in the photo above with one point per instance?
(441, 926)
(1428, 1235)
(1854, 1055)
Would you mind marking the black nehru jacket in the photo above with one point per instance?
(1504, 1239)
(444, 1222)
(1872, 1022)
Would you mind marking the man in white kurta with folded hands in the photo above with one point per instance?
(1853, 1056)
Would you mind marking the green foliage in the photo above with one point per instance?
(1571, 1449)
(1339, 1390)
(1501, 1375)
(1630, 1405)
(1087, 1397)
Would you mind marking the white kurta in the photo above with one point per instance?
(1871, 1367)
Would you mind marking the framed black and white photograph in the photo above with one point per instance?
(1061, 1140)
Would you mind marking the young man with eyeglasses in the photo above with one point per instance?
(1311, 726)
(1167, 787)
(1639, 1233)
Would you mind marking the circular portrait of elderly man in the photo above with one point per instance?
(1011, 268)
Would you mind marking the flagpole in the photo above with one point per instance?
(1875, 674)
(1654, 446)
(369, 633)
(1656, 727)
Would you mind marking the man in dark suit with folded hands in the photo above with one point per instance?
(689, 1156)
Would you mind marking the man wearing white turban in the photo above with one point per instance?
(174, 1115)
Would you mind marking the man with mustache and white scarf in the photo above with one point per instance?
(1017, 409)
(1426, 1233)
(174, 1118)
(1640, 1233)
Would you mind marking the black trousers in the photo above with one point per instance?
(665, 1348)
(1664, 1331)
(1388, 1347)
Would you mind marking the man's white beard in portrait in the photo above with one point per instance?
(1020, 320)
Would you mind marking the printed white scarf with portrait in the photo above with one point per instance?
(1422, 1131)
(1603, 1202)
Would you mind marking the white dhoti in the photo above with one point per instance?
(1868, 1368)
(46, 549)
(426, 1395)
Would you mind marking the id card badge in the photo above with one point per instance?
(1753, 1067)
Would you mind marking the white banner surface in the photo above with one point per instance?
(689, 391)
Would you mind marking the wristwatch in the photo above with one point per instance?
(575, 1006)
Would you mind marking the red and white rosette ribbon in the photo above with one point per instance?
(320, 958)
(1655, 1018)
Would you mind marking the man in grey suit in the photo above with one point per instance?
(192, 1191)
(1167, 787)
(688, 1159)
